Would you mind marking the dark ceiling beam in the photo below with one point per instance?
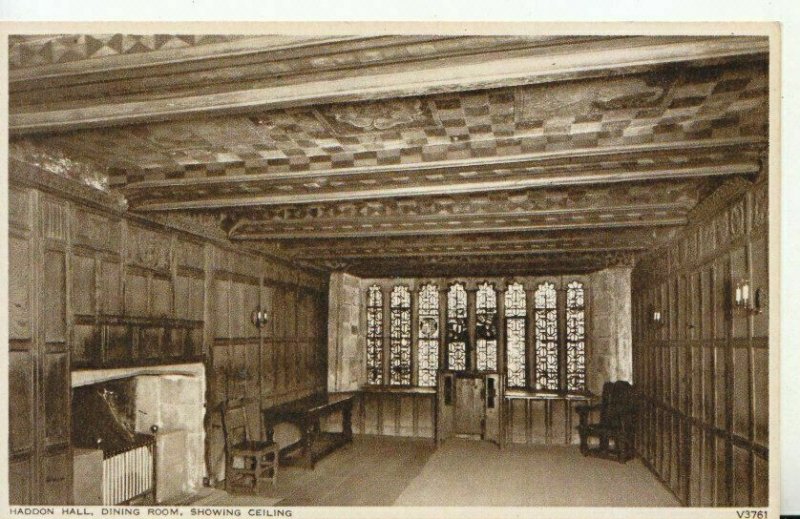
(252, 62)
(128, 66)
(616, 223)
(575, 217)
(632, 237)
(464, 265)
(538, 67)
(499, 251)
(516, 181)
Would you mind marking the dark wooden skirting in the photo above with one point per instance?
(530, 417)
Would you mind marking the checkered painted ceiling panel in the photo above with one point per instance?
(679, 104)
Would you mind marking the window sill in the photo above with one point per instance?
(529, 394)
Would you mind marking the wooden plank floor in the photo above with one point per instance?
(370, 471)
(375, 471)
(472, 473)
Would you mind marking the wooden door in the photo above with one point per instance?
(445, 405)
(469, 405)
(493, 408)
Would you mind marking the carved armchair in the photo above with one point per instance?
(616, 426)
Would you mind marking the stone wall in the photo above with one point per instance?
(609, 354)
(346, 335)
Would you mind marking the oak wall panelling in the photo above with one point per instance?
(86, 273)
(703, 375)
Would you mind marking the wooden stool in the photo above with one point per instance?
(247, 462)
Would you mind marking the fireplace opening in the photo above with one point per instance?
(138, 434)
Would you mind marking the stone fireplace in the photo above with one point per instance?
(169, 400)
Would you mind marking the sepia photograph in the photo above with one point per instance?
(263, 270)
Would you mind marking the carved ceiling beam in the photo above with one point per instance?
(433, 185)
(496, 251)
(570, 218)
(466, 265)
(611, 222)
(125, 66)
(520, 240)
(583, 60)
(252, 61)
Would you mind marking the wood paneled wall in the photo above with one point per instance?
(284, 360)
(39, 386)
(531, 419)
(74, 254)
(703, 374)
(401, 413)
(412, 412)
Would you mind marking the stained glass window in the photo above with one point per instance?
(374, 335)
(515, 309)
(486, 331)
(457, 327)
(400, 336)
(576, 337)
(546, 336)
(428, 343)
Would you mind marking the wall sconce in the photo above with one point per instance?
(747, 301)
(258, 317)
(656, 318)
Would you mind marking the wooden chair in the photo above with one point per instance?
(617, 421)
(248, 462)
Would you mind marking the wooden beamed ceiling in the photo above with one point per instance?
(408, 155)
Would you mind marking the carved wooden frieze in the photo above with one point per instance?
(95, 231)
(682, 193)
(346, 119)
(147, 248)
(540, 102)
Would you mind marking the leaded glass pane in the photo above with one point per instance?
(486, 316)
(374, 335)
(576, 337)
(546, 336)
(428, 344)
(400, 337)
(457, 327)
(515, 309)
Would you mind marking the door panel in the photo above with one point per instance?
(492, 408)
(469, 405)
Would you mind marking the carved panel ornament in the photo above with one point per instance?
(148, 248)
(344, 119)
(681, 193)
(592, 96)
